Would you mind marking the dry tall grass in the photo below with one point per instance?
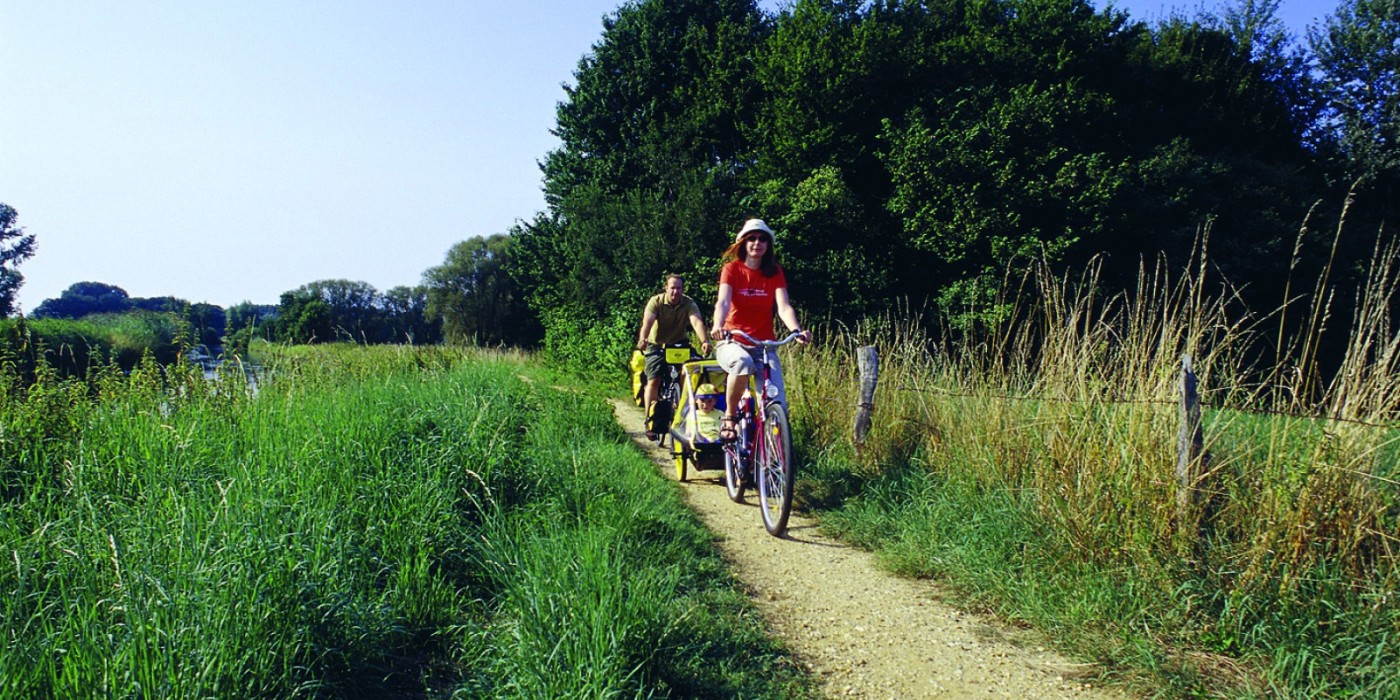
(1072, 404)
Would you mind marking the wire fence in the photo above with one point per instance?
(1192, 458)
(1140, 401)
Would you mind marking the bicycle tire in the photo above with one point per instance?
(671, 394)
(678, 455)
(775, 470)
(734, 471)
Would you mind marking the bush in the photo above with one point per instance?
(602, 346)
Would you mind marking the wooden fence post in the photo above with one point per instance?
(1190, 444)
(868, 360)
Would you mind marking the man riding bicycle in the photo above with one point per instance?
(664, 321)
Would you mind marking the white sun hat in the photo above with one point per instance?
(755, 225)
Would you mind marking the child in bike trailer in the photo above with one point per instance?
(751, 287)
(704, 425)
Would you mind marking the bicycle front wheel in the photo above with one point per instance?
(671, 398)
(775, 469)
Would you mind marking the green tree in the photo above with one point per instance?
(314, 322)
(661, 91)
(406, 317)
(828, 73)
(1074, 133)
(15, 247)
(246, 321)
(1358, 55)
(474, 297)
(351, 312)
(166, 304)
(246, 314)
(1005, 174)
(644, 181)
(911, 149)
(1283, 62)
(85, 298)
(208, 323)
(1219, 139)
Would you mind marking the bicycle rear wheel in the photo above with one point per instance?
(775, 470)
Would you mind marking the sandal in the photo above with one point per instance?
(728, 428)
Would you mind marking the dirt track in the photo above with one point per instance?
(863, 632)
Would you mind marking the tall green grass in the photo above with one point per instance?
(361, 523)
(72, 347)
(1032, 464)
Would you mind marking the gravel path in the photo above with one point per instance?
(863, 632)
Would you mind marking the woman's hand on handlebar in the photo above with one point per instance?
(804, 337)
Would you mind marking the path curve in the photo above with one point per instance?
(861, 631)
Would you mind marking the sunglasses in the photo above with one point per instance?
(759, 237)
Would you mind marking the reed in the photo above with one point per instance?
(72, 347)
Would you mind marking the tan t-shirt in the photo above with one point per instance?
(672, 320)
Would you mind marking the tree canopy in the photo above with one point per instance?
(84, 299)
(328, 310)
(902, 150)
(916, 149)
(16, 246)
(652, 145)
(339, 310)
(474, 297)
(1358, 54)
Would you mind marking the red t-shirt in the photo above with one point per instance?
(753, 301)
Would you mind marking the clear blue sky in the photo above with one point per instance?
(1296, 14)
(231, 151)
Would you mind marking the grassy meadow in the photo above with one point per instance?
(364, 522)
(1031, 464)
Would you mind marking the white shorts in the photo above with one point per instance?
(741, 360)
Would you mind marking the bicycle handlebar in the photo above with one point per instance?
(761, 343)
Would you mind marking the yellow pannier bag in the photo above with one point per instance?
(638, 363)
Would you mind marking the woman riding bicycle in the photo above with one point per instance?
(751, 287)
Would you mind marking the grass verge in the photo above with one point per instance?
(365, 522)
(1032, 466)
